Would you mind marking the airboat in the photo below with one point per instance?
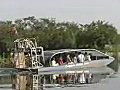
(28, 56)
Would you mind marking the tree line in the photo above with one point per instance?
(59, 35)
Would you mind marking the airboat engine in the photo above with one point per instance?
(27, 55)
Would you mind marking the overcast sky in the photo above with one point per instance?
(81, 11)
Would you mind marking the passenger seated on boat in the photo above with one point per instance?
(87, 56)
(54, 63)
(60, 60)
(75, 58)
(81, 57)
(69, 60)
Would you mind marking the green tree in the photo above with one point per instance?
(98, 34)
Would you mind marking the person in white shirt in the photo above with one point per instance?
(81, 57)
(75, 59)
(87, 56)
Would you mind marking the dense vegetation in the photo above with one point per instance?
(56, 35)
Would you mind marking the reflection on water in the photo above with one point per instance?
(27, 82)
(46, 80)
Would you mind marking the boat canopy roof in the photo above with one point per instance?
(51, 53)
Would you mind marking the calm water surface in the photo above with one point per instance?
(103, 78)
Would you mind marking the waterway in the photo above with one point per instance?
(102, 78)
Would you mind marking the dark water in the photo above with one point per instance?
(103, 78)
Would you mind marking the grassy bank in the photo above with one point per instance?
(5, 62)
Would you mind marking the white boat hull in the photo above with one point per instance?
(94, 63)
(97, 70)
